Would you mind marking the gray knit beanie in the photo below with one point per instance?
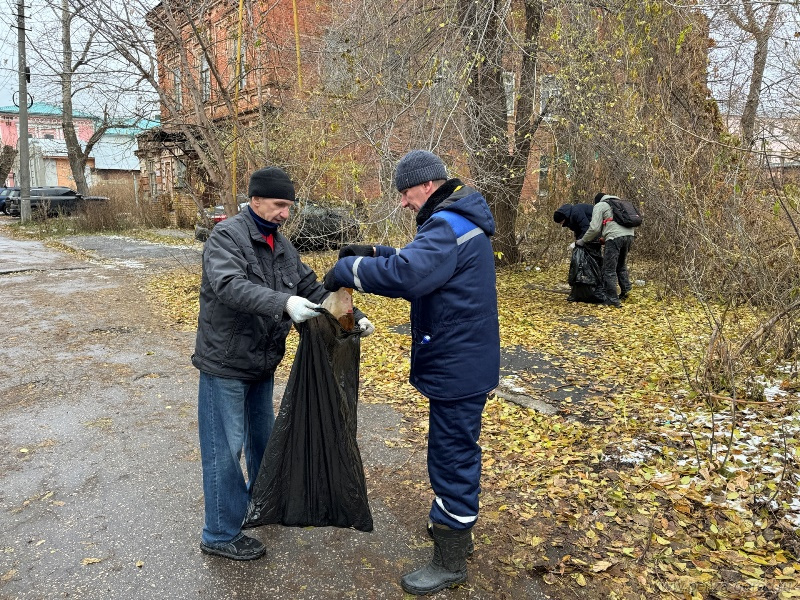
(418, 166)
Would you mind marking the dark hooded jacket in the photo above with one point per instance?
(447, 272)
(242, 325)
(575, 216)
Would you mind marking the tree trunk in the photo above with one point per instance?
(499, 162)
(7, 156)
(527, 120)
(761, 34)
(76, 156)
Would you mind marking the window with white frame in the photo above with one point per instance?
(151, 177)
(205, 79)
(548, 94)
(180, 174)
(544, 172)
(241, 63)
(177, 85)
(510, 88)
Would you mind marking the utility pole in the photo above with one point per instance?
(24, 159)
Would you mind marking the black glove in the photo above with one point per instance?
(580, 243)
(329, 281)
(356, 250)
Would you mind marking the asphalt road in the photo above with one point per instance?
(100, 479)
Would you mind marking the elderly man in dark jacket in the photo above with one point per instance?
(253, 286)
(447, 273)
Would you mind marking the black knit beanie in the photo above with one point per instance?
(599, 196)
(271, 182)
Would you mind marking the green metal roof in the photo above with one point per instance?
(133, 126)
(42, 108)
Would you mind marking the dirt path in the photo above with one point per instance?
(100, 482)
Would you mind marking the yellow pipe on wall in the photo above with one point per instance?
(238, 70)
(297, 46)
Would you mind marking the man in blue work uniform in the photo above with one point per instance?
(447, 273)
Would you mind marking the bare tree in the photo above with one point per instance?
(498, 55)
(754, 60)
(759, 21)
(459, 78)
(77, 156)
(77, 72)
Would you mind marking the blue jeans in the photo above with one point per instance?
(454, 460)
(232, 414)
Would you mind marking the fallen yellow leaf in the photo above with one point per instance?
(602, 565)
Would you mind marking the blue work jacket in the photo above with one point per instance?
(447, 272)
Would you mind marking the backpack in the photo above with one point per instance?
(625, 213)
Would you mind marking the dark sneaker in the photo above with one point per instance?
(624, 295)
(239, 548)
(613, 302)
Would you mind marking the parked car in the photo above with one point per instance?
(314, 227)
(53, 199)
(4, 193)
(211, 216)
(215, 214)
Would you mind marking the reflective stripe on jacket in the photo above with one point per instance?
(448, 274)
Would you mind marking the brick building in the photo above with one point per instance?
(46, 135)
(112, 158)
(198, 76)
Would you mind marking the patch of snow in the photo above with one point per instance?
(772, 389)
(510, 383)
(757, 445)
(130, 264)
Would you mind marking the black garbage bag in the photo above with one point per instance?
(586, 274)
(312, 473)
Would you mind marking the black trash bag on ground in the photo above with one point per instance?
(586, 274)
(312, 473)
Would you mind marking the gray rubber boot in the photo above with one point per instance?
(447, 568)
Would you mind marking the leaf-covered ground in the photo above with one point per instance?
(634, 487)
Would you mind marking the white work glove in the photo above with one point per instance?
(572, 245)
(300, 309)
(367, 328)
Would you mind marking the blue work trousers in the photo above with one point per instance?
(454, 460)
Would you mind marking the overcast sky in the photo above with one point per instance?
(9, 81)
(45, 85)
